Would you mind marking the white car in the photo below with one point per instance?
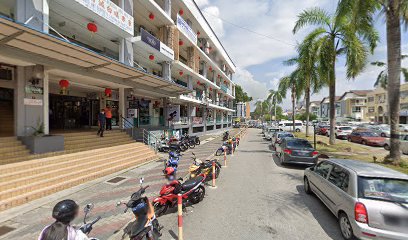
(403, 127)
(341, 131)
(403, 144)
(269, 132)
(288, 126)
(383, 130)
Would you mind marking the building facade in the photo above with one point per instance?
(325, 109)
(354, 106)
(157, 63)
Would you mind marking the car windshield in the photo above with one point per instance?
(285, 135)
(299, 144)
(368, 134)
(346, 128)
(393, 190)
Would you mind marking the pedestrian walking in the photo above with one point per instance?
(108, 115)
(101, 122)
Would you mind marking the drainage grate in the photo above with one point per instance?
(5, 229)
(116, 180)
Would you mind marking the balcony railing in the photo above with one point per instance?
(182, 121)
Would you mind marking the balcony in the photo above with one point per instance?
(143, 7)
(147, 44)
(184, 121)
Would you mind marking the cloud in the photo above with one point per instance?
(212, 14)
(255, 89)
(202, 3)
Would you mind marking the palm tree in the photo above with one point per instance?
(336, 35)
(275, 98)
(362, 13)
(307, 65)
(291, 82)
(382, 79)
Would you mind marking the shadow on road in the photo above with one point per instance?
(288, 165)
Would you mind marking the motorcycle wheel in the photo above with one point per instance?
(197, 142)
(217, 171)
(160, 209)
(198, 195)
(191, 144)
(219, 152)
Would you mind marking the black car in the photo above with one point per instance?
(297, 151)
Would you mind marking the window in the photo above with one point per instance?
(371, 109)
(392, 190)
(299, 144)
(356, 109)
(340, 178)
(323, 169)
(370, 99)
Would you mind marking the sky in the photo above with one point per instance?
(259, 56)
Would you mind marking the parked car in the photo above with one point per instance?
(341, 132)
(403, 144)
(403, 127)
(288, 126)
(366, 138)
(370, 201)
(297, 151)
(278, 136)
(322, 130)
(382, 130)
(270, 131)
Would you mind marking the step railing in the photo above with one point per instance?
(151, 140)
(126, 124)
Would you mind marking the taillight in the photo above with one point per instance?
(360, 212)
(340, 131)
(314, 153)
(288, 151)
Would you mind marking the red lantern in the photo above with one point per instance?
(210, 89)
(181, 73)
(181, 43)
(151, 57)
(151, 16)
(210, 69)
(198, 83)
(218, 75)
(64, 84)
(198, 33)
(92, 27)
(108, 92)
(181, 12)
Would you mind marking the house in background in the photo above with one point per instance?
(325, 107)
(353, 105)
(314, 108)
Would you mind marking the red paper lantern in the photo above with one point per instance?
(151, 57)
(210, 68)
(151, 16)
(181, 73)
(64, 83)
(181, 12)
(218, 75)
(181, 43)
(198, 33)
(211, 89)
(92, 27)
(108, 92)
(198, 83)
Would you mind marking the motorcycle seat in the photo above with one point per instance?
(136, 227)
(189, 184)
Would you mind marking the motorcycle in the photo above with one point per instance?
(173, 160)
(146, 224)
(171, 145)
(225, 137)
(199, 167)
(190, 143)
(192, 191)
(87, 227)
(195, 139)
(225, 147)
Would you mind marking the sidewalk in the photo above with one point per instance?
(31, 218)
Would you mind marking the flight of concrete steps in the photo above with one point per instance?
(12, 150)
(25, 181)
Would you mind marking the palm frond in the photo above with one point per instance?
(313, 16)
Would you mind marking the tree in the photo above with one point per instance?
(240, 95)
(275, 97)
(290, 82)
(336, 35)
(306, 62)
(382, 79)
(304, 116)
(362, 13)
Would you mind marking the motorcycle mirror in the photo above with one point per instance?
(118, 204)
(141, 180)
(180, 179)
(193, 154)
(88, 207)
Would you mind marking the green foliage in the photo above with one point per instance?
(39, 129)
(241, 95)
(303, 117)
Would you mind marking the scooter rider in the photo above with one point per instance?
(64, 212)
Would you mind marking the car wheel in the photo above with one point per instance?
(383, 135)
(345, 227)
(297, 130)
(307, 186)
(387, 147)
(349, 139)
(364, 142)
(336, 136)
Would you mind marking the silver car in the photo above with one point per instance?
(370, 201)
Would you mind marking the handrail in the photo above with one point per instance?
(151, 140)
(129, 125)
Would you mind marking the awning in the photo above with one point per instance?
(24, 43)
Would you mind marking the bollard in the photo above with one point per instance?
(232, 149)
(213, 175)
(225, 158)
(180, 216)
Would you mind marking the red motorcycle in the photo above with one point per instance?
(192, 191)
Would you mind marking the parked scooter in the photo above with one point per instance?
(145, 225)
(87, 227)
(199, 167)
(172, 161)
(225, 137)
(225, 147)
(195, 139)
(192, 191)
(171, 145)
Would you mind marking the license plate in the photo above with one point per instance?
(303, 153)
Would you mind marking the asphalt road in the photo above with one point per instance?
(256, 198)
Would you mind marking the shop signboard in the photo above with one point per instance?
(33, 102)
(31, 89)
(186, 29)
(108, 10)
(150, 40)
(173, 113)
(132, 113)
(197, 120)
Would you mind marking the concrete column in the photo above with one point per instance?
(205, 120)
(122, 105)
(46, 104)
(190, 82)
(126, 46)
(205, 70)
(35, 13)
(165, 103)
(190, 125)
(167, 7)
(166, 70)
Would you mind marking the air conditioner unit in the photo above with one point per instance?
(6, 73)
